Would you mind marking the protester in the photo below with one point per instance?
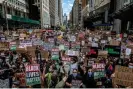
(81, 59)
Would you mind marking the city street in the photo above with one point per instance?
(66, 44)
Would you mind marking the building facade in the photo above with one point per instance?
(15, 14)
(60, 12)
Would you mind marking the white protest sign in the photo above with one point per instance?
(94, 44)
(128, 51)
(103, 41)
(73, 38)
(90, 39)
(95, 39)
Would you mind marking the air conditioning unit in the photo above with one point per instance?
(126, 2)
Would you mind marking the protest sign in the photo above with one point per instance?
(44, 54)
(38, 42)
(31, 51)
(102, 53)
(128, 51)
(76, 83)
(4, 45)
(21, 77)
(61, 47)
(72, 38)
(21, 50)
(66, 59)
(93, 53)
(114, 43)
(123, 76)
(55, 54)
(114, 51)
(72, 53)
(48, 46)
(33, 74)
(4, 83)
(99, 70)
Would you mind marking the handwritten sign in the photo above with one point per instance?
(123, 76)
(33, 74)
(21, 77)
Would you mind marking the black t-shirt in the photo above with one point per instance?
(75, 81)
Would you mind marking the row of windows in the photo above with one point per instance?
(16, 2)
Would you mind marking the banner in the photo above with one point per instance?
(99, 70)
(123, 76)
(33, 74)
(114, 51)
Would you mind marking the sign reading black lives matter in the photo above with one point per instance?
(33, 74)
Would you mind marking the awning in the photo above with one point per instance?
(103, 25)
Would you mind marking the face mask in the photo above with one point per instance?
(89, 73)
(74, 74)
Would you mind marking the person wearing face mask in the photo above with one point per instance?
(74, 80)
(74, 65)
(89, 81)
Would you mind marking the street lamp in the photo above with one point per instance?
(5, 11)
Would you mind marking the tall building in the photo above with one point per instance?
(44, 12)
(17, 14)
(56, 13)
(60, 12)
(52, 12)
(77, 13)
(65, 20)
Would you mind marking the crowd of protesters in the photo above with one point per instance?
(76, 73)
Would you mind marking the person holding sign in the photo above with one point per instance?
(74, 80)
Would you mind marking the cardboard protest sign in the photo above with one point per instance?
(84, 50)
(102, 53)
(114, 51)
(33, 74)
(21, 77)
(114, 43)
(21, 50)
(4, 45)
(99, 70)
(123, 76)
(45, 54)
(31, 51)
(4, 83)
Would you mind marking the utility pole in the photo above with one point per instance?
(41, 12)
